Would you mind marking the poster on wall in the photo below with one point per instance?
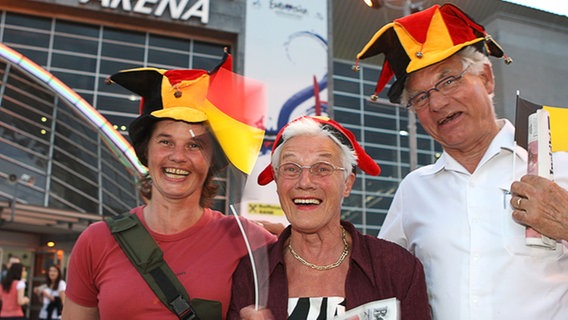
(285, 48)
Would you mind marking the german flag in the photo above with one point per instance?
(558, 124)
(232, 105)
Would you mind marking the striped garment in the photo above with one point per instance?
(315, 308)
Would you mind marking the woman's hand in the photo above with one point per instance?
(47, 295)
(23, 300)
(250, 313)
(273, 227)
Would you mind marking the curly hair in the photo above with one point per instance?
(209, 189)
(310, 127)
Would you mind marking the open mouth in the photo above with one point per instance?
(175, 173)
(449, 118)
(306, 202)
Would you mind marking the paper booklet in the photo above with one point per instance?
(539, 163)
(387, 309)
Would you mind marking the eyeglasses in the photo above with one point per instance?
(445, 86)
(318, 169)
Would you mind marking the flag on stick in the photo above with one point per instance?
(558, 124)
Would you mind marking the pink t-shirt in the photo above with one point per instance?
(203, 257)
(10, 306)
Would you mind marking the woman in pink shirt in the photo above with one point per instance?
(13, 287)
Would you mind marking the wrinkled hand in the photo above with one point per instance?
(541, 204)
(249, 313)
(274, 228)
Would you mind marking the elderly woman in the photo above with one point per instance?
(322, 266)
(184, 139)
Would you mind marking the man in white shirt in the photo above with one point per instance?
(456, 215)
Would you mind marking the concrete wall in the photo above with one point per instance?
(540, 68)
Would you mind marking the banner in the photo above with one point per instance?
(286, 49)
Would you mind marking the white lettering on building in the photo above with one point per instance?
(178, 9)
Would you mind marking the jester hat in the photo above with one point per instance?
(422, 39)
(346, 137)
(231, 105)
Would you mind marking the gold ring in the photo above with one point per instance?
(519, 202)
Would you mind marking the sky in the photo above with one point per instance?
(559, 7)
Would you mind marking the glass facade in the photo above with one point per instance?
(57, 156)
(382, 130)
(72, 167)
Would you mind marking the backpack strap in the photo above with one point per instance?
(147, 257)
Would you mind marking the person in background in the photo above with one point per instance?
(51, 294)
(11, 260)
(321, 265)
(541, 204)
(13, 293)
(184, 137)
(455, 215)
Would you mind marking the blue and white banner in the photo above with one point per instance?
(285, 48)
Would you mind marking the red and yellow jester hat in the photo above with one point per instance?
(231, 105)
(423, 39)
(346, 137)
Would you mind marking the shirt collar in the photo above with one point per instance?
(504, 141)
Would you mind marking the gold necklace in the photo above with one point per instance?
(329, 266)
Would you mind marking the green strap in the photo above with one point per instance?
(147, 257)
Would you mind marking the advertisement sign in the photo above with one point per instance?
(285, 48)
(177, 9)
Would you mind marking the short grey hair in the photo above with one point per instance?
(310, 127)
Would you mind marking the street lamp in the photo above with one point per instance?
(375, 4)
(407, 6)
(13, 180)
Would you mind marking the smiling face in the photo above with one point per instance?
(179, 157)
(312, 203)
(464, 120)
(53, 273)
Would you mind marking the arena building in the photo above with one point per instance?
(65, 160)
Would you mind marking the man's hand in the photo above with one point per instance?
(541, 204)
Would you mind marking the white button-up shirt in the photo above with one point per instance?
(474, 255)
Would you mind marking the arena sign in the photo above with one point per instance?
(178, 9)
